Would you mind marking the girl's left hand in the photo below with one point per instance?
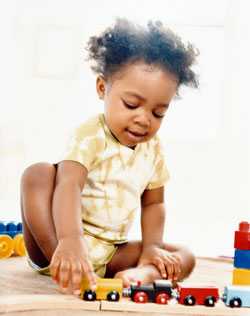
(168, 263)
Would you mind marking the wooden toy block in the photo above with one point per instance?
(241, 277)
(242, 236)
(242, 259)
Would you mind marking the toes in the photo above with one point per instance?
(126, 280)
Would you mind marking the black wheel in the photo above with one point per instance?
(209, 301)
(189, 300)
(113, 296)
(89, 295)
(235, 302)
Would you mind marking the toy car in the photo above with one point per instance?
(236, 296)
(160, 292)
(107, 289)
(200, 295)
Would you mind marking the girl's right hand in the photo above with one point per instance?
(70, 264)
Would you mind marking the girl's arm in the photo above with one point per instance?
(70, 260)
(152, 217)
(66, 208)
(152, 227)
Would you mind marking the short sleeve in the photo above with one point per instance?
(160, 174)
(85, 143)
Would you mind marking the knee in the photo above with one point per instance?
(189, 262)
(192, 261)
(38, 175)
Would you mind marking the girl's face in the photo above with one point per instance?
(136, 101)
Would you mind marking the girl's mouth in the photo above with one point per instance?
(135, 135)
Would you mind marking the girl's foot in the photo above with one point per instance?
(145, 274)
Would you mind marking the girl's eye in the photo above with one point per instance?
(159, 115)
(133, 107)
(129, 106)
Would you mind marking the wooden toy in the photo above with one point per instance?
(11, 239)
(107, 289)
(242, 236)
(236, 296)
(200, 295)
(160, 291)
(242, 259)
(241, 277)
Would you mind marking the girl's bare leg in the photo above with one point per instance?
(124, 262)
(37, 188)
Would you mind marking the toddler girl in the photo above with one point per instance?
(77, 213)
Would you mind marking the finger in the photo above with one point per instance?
(169, 267)
(54, 269)
(125, 281)
(76, 276)
(161, 266)
(89, 273)
(64, 274)
(177, 267)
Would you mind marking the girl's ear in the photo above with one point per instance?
(100, 87)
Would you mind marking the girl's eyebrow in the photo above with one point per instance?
(134, 94)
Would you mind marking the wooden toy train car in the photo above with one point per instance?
(200, 295)
(160, 292)
(236, 296)
(106, 289)
(11, 239)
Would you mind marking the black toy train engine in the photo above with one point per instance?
(159, 292)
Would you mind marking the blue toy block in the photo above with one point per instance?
(10, 228)
(242, 259)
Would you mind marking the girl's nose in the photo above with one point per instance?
(143, 119)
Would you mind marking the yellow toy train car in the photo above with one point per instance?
(106, 289)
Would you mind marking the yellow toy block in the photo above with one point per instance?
(106, 289)
(19, 246)
(6, 246)
(241, 277)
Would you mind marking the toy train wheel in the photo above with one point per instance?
(189, 300)
(89, 295)
(162, 298)
(209, 301)
(6, 246)
(235, 302)
(113, 296)
(140, 297)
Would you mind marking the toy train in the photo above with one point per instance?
(161, 291)
(11, 239)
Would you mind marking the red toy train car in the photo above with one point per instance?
(200, 295)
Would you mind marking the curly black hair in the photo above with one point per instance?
(126, 42)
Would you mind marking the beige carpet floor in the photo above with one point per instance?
(24, 292)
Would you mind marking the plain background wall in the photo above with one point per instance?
(47, 89)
